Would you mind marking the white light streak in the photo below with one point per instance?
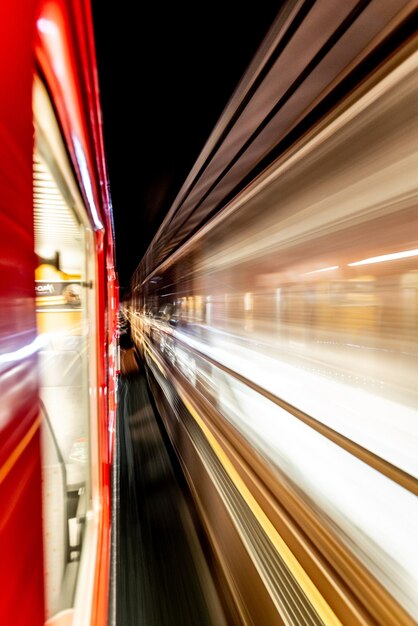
(48, 27)
(23, 353)
(325, 269)
(82, 163)
(387, 257)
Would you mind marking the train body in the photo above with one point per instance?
(277, 312)
(58, 312)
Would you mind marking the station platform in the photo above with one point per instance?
(161, 573)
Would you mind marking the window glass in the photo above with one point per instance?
(61, 310)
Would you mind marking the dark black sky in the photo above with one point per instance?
(165, 78)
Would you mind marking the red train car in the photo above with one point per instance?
(58, 320)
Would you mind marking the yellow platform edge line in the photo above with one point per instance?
(319, 603)
(314, 596)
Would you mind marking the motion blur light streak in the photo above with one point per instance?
(325, 269)
(367, 506)
(309, 589)
(53, 38)
(394, 256)
(24, 352)
(85, 175)
(365, 418)
(299, 360)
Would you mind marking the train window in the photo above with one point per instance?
(62, 274)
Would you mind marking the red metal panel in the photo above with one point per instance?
(65, 53)
(21, 570)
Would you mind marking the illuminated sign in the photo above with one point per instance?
(58, 294)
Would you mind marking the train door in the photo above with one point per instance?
(65, 312)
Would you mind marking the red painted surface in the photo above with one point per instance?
(60, 34)
(21, 569)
